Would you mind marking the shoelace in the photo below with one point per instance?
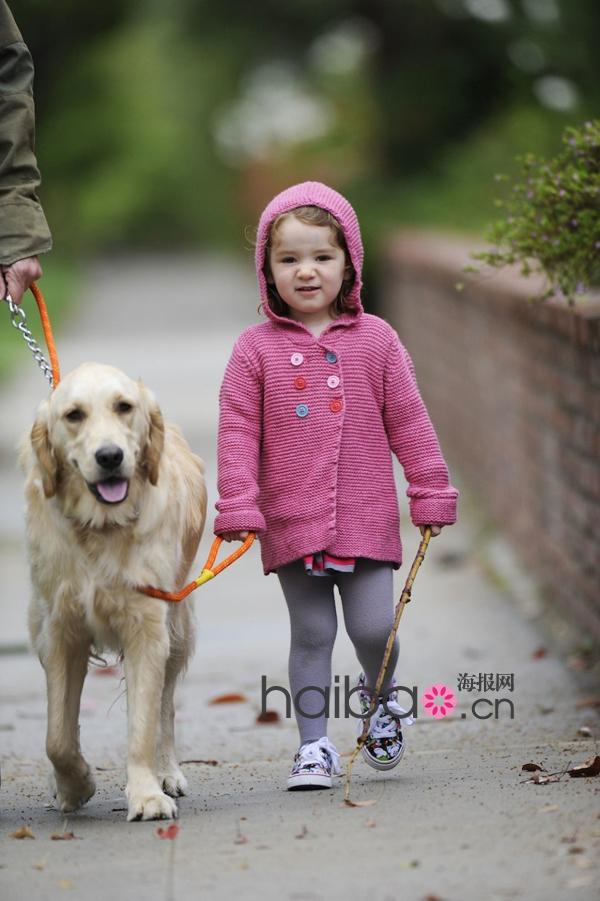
(382, 722)
(314, 753)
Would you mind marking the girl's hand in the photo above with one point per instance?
(234, 536)
(435, 530)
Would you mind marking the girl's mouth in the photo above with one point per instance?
(309, 289)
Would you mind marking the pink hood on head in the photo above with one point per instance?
(311, 193)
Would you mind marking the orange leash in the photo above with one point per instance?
(52, 373)
(47, 328)
(207, 572)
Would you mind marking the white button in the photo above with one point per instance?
(333, 381)
(296, 359)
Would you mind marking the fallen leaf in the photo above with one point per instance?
(543, 780)
(22, 832)
(62, 836)
(303, 833)
(231, 698)
(539, 653)
(170, 832)
(589, 701)
(532, 767)
(589, 767)
(65, 883)
(576, 849)
(585, 731)
(207, 762)
(106, 670)
(350, 803)
(268, 716)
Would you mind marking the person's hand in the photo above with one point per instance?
(17, 278)
(435, 530)
(234, 536)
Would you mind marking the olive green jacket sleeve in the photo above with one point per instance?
(24, 231)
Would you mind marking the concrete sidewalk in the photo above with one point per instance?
(456, 821)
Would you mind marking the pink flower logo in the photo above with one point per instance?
(439, 701)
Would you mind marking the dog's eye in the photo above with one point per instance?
(124, 407)
(75, 415)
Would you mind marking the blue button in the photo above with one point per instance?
(301, 411)
(331, 357)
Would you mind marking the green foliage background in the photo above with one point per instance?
(129, 92)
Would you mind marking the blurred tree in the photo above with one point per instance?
(150, 118)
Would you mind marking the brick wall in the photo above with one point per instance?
(514, 391)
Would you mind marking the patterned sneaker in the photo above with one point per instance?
(314, 765)
(384, 746)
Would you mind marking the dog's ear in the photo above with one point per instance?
(46, 459)
(156, 442)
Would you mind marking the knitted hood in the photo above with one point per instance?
(312, 193)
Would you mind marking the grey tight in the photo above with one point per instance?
(368, 606)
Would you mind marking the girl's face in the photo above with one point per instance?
(308, 267)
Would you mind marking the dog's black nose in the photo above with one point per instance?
(109, 457)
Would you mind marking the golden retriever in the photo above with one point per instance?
(115, 500)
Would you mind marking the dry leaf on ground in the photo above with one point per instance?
(230, 698)
(589, 767)
(532, 767)
(268, 716)
(170, 832)
(62, 836)
(206, 762)
(349, 803)
(22, 832)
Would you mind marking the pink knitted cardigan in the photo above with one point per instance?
(307, 425)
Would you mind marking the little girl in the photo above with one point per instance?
(312, 403)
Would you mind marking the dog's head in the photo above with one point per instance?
(97, 432)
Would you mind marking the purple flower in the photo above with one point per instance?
(562, 193)
(574, 223)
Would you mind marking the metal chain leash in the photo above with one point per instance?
(18, 319)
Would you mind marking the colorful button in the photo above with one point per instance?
(336, 406)
(333, 381)
(296, 359)
(331, 357)
(302, 411)
(300, 382)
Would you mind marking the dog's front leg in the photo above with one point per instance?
(66, 666)
(145, 661)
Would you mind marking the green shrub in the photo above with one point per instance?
(552, 217)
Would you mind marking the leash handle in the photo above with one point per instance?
(208, 571)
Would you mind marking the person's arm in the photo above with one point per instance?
(238, 449)
(414, 441)
(24, 232)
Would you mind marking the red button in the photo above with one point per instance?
(300, 382)
(336, 406)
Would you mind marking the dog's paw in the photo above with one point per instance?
(173, 782)
(156, 806)
(73, 792)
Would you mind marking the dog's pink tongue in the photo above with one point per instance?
(113, 491)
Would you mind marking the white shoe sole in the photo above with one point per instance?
(299, 783)
(383, 765)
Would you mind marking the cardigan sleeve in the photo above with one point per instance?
(414, 441)
(238, 447)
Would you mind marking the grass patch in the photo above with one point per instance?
(58, 285)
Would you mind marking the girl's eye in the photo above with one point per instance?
(75, 415)
(288, 260)
(323, 258)
(124, 407)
